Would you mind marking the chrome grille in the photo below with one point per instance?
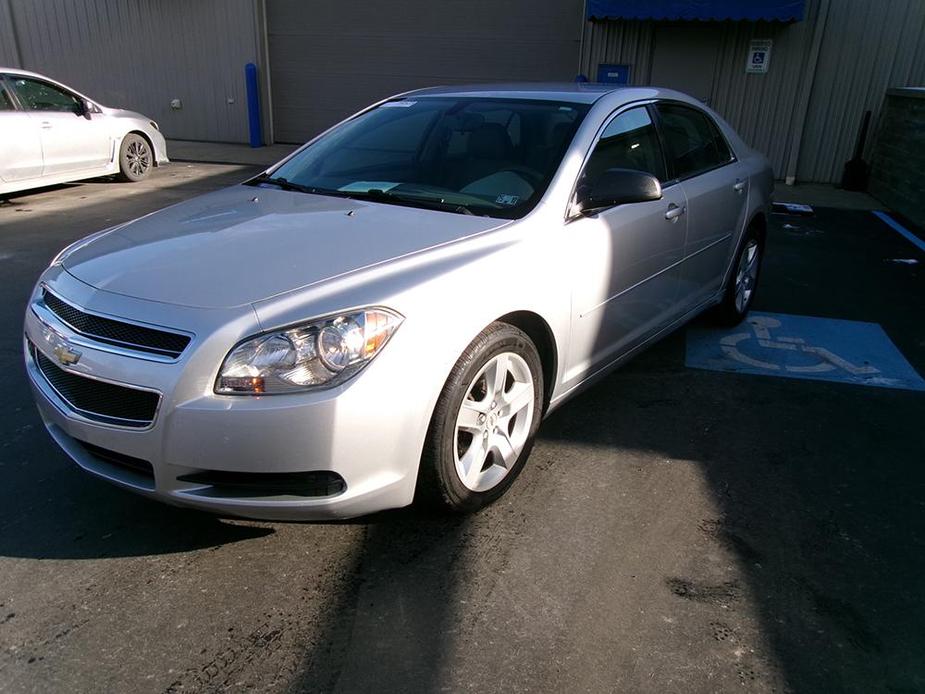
(115, 332)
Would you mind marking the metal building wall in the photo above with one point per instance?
(141, 54)
(814, 99)
(328, 60)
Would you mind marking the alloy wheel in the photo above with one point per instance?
(138, 158)
(747, 275)
(494, 421)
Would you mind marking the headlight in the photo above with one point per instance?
(320, 354)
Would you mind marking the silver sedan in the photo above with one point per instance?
(389, 313)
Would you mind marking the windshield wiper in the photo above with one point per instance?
(388, 196)
(280, 182)
(376, 194)
(286, 184)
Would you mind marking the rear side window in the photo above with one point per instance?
(628, 142)
(694, 142)
(41, 96)
(6, 101)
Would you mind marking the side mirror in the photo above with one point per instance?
(617, 187)
(83, 108)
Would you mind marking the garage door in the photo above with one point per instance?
(327, 60)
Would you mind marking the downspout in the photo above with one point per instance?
(263, 62)
(809, 75)
(581, 40)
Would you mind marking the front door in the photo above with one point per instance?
(71, 141)
(623, 260)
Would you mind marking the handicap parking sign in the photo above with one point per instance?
(825, 349)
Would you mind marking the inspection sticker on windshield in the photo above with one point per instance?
(397, 104)
(509, 200)
(823, 349)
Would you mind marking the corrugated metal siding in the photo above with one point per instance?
(866, 48)
(9, 51)
(761, 107)
(328, 60)
(140, 54)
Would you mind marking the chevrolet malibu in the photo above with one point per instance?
(51, 134)
(389, 313)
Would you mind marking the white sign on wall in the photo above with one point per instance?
(759, 55)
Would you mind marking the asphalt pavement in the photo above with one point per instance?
(675, 530)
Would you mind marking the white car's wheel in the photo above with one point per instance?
(135, 158)
(483, 426)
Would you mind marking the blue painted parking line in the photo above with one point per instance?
(896, 226)
(824, 349)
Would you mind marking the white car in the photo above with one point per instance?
(51, 134)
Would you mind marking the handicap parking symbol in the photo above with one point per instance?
(826, 349)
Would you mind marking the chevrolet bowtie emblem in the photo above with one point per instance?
(66, 354)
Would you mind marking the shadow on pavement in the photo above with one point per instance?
(392, 624)
(78, 517)
(819, 490)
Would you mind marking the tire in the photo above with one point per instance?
(135, 158)
(739, 293)
(453, 477)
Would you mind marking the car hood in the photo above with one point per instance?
(244, 244)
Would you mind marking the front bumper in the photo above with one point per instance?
(364, 446)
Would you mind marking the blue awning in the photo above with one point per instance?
(705, 10)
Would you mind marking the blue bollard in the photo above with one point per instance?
(253, 105)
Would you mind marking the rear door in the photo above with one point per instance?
(20, 140)
(624, 260)
(700, 159)
(71, 141)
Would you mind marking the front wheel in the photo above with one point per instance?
(484, 423)
(135, 158)
(740, 289)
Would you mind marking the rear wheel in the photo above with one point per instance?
(743, 282)
(135, 158)
(483, 427)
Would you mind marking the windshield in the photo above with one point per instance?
(482, 156)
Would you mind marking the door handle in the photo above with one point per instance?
(739, 185)
(674, 212)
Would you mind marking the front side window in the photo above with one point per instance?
(483, 156)
(694, 142)
(628, 142)
(37, 95)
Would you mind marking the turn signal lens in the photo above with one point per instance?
(320, 354)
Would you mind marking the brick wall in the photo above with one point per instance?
(898, 159)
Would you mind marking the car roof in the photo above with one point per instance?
(17, 71)
(576, 92)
